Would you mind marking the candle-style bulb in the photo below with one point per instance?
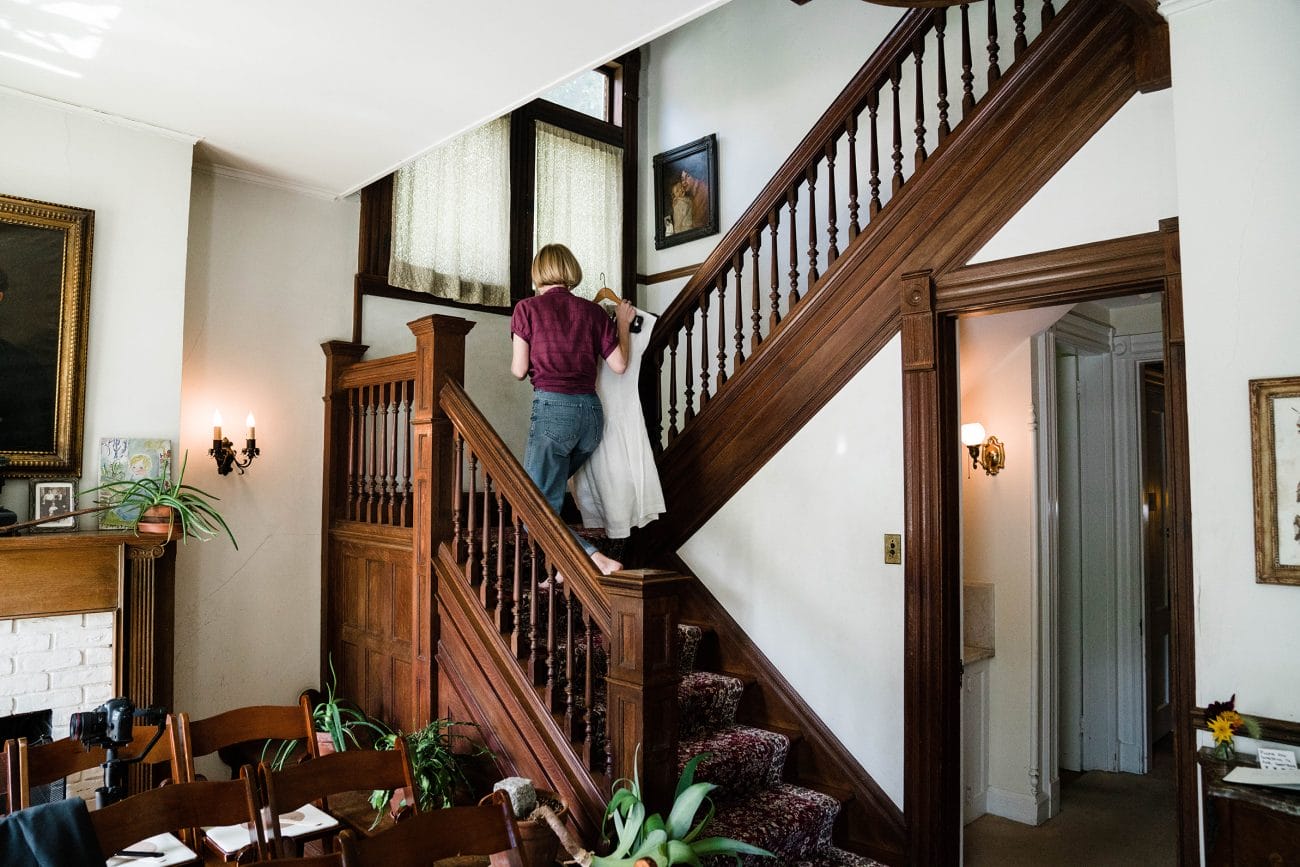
(216, 424)
(252, 425)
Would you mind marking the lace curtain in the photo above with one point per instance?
(451, 219)
(579, 203)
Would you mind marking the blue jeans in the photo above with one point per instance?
(565, 430)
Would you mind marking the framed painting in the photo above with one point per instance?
(1275, 453)
(128, 459)
(51, 497)
(686, 192)
(44, 308)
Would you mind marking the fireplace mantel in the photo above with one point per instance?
(132, 576)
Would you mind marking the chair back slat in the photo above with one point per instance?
(194, 739)
(428, 837)
(179, 807)
(27, 765)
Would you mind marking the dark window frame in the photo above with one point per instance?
(620, 128)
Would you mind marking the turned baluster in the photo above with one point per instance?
(967, 75)
(555, 698)
(367, 456)
(404, 428)
(487, 595)
(689, 376)
(1049, 12)
(773, 220)
(704, 349)
(832, 248)
(672, 388)
(895, 77)
(518, 635)
(792, 199)
(722, 330)
(350, 505)
(471, 571)
(503, 600)
(458, 450)
(756, 317)
(536, 662)
(813, 273)
(940, 18)
(995, 71)
(572, 724)
(873, 110)
(852, 128)
(918, 50)
(739, 357)
(1021, 42)
(589, 697)
(385, 468)
(408, 428)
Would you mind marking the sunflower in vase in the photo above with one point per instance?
(1224, 723)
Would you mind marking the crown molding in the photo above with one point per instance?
(1170, 8)
(102, 116)
(262, 180)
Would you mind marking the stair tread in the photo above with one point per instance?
(787, 820)
(741, 759)
(708, 701)
(831, 856)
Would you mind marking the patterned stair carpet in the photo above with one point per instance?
(747, 764)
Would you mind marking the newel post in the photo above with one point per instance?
(439, 357)
(643, 678)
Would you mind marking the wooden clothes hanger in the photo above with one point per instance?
(607, 294)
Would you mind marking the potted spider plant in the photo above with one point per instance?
(166, 508)
(338, 723)
(440, 772)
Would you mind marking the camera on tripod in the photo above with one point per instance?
(112, 723)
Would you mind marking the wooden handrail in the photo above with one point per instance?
(376, 370)
(555, 539)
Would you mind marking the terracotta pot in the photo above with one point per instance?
(324, 743)
(536, 838)
(159, 521)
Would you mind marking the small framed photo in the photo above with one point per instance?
(52, 497)
(686, 192)
(1275, 453)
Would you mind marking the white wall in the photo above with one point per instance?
(269, 279)
(796, 557)
(137, 181)
(1237, 121)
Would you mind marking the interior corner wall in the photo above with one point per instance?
(1237, 123)
(269, 279)
(137, 181)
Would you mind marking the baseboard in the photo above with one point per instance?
(1016, 806)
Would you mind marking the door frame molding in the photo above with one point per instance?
(930, 305)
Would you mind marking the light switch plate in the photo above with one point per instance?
(893, 548)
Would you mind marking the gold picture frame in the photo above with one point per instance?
(45, 253)
(1275, 454)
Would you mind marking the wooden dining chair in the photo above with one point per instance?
(191, 740)
(174, 808)
(293, 787)
(426, 837)
(334, 859)
(26, 766)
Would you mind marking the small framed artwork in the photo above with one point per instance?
(130, 459)
(51, 497)
(686, 192)
(1275, 451)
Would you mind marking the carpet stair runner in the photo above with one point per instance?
(747, 764)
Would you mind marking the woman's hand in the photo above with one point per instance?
(624, 315)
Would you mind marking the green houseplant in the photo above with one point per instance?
(335, 717)
(675, 840)
(163, 505)
(439, 770)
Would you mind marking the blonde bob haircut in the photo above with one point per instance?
(555, 265)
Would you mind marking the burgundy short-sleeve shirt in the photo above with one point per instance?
(567, 336)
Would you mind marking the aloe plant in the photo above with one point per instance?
(332, 716)
(190, 506)
(677, 840)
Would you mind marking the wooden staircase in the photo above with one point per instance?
(438, 548)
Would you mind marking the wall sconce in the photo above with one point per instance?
(223, 449)
(987, 453)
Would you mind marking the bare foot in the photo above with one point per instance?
(558, 581)
(606, 565)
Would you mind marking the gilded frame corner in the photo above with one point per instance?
(1267, 463)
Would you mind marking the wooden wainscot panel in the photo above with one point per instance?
(41, 582)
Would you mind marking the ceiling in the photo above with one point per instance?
(322, 96)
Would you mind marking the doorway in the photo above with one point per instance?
(930, 307)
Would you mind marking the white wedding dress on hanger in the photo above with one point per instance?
(618, 487)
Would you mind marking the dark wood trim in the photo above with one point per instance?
(1282, 731)
(874, 824)
(1103, 269)
(671, 274)
(1144, 10)
(933, 512)
(572, 120)
(627, 81)
(523, 179)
